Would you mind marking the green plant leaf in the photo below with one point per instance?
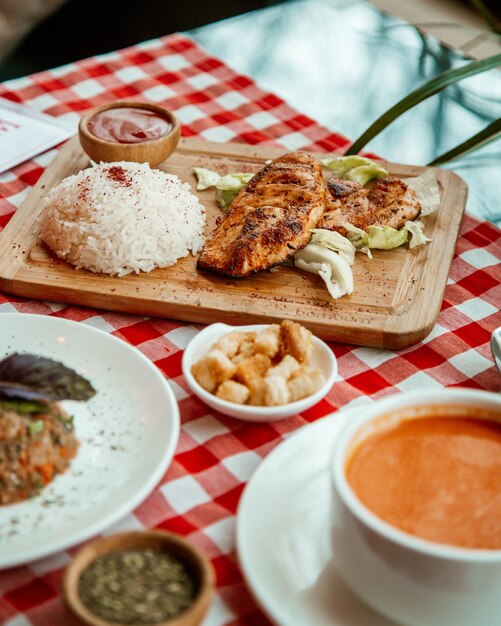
(485, 136)
(423, 92)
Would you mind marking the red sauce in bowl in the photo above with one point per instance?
(128, 125)
(438, 478)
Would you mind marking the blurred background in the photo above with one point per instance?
(40, 34)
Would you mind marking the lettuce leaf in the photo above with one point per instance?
(334, 241)
(357, 236)
(329, 265)
(386, 237)
(366, 173)
(344, 164)
(227, 186)
(355, 168)
(224, 197)
(418, 238)
(366, 251)
(206, 178)
(427, 191)
(235, 181)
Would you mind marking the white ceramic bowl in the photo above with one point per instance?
(322, 358)
(411, 580)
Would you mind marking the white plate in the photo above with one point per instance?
(283, 535)
(128, 433)
(322, 358)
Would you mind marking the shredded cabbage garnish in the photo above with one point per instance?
(334, 241)
(357, 236)
(365, 173)
(206, 178)
(385, 237)
(355, 168)
(232, 182)
(343, 164)
(224, 197)
(418, 238)
(427, 191)
(227, 186)
(330, 266)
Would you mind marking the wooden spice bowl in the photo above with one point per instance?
(198, 565)
(152, 151)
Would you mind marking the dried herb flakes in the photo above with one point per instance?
(140, 586)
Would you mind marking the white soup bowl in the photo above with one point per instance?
(411, 580)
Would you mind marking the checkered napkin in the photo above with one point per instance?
(216, 456)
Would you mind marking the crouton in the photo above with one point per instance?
(275, 391)
(266, 341)
(213, 369)
(287, 366)
(305, 382)
(296, 341)
(253, 367)
(238, 368)
(229, 344)
(246, 347)
(233, 392)
(257, 392)
(239, 358)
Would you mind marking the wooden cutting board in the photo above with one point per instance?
(397, 294)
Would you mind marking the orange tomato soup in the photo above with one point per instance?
(438, 478)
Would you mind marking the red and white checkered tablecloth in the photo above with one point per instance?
(199, 494)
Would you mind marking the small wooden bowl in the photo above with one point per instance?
(198, 564)
(152, 151)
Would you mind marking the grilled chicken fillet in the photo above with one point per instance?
(270, 218)
(390, 202)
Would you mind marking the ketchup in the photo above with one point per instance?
(128, 125)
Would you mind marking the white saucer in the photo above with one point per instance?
(283, 535)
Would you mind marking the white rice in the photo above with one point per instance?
(119, 218)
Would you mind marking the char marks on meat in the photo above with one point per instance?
(269, 220)
(390, 202)
(346, 202)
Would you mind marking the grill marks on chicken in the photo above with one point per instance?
(269, 220)
(390, 202)
(346, 202)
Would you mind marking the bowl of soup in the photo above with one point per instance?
(416, 515)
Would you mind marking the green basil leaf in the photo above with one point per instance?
(32, 377)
